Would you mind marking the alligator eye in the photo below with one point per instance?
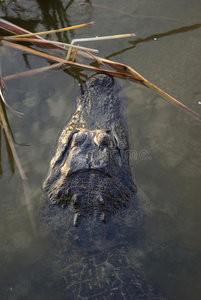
(79, 138)
(102, 139)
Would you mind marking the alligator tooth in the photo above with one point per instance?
(75, 219)
(74, 199)
(103, 217)
(101, 200)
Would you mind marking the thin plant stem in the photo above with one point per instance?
(53, 31)
(19, 166)
(98, 38)
(33, 72)
(150, 85)
(44, 42)
(17, 113)
(64, 61)
(126, 72)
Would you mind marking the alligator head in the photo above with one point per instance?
(90, 171)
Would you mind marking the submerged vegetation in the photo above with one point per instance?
(71, 57)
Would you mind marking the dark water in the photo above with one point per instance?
(165, 141)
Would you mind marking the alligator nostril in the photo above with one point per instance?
(98, 80)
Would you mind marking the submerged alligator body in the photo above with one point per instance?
(91, 211)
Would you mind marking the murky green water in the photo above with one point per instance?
(166, 50)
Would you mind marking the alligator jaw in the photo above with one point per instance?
(86, 192)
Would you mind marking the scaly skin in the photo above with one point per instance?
(90, 185)
(90, 171)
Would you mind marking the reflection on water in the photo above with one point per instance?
(166, 51)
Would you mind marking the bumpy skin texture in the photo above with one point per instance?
(90, 170)
(90, 185)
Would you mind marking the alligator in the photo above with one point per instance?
(92, 212)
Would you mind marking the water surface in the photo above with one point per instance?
(165, 141)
